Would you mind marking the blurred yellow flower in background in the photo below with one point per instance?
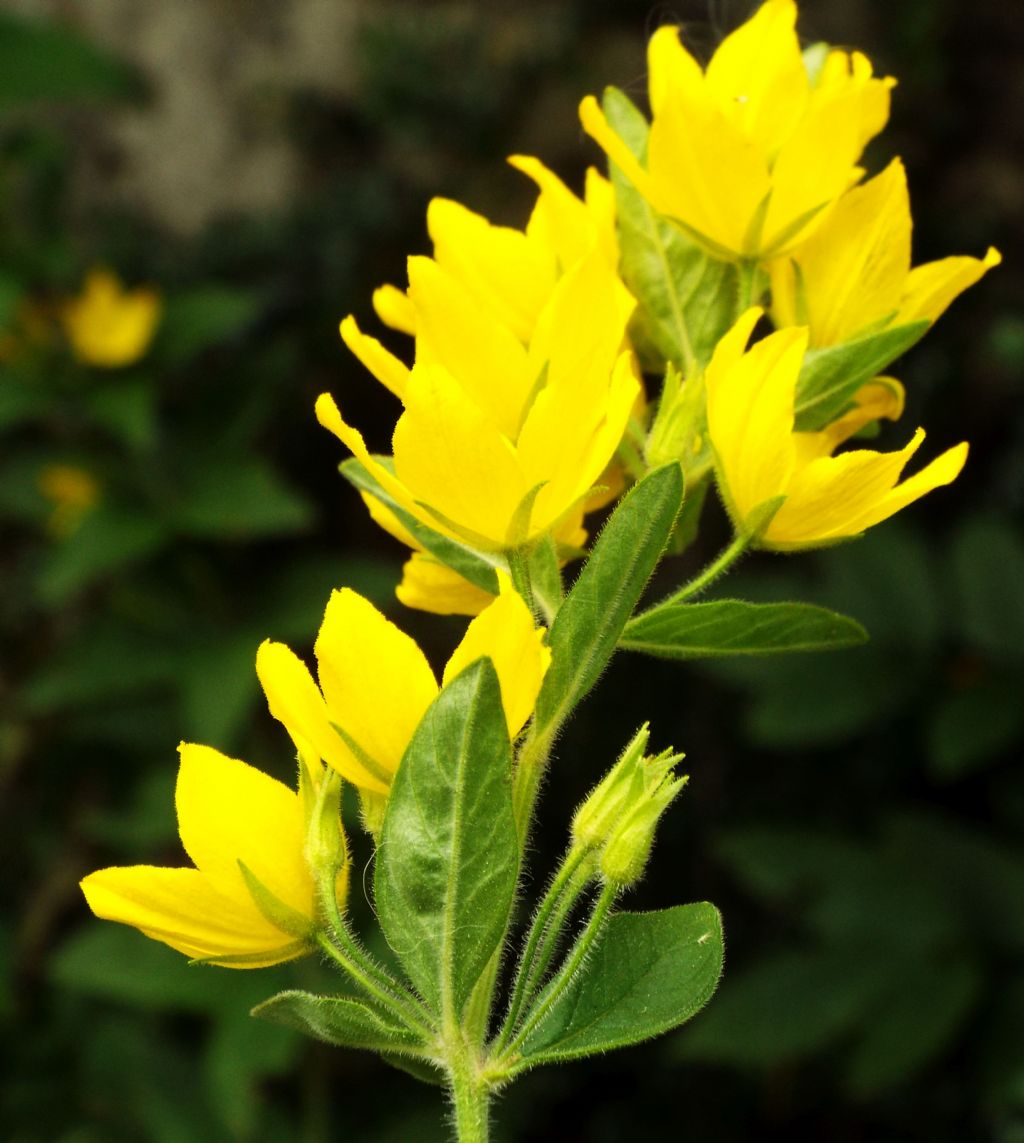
(853, 275)
(108, 326)
(747, 154)
(73, 492)
(766, 469)
(250, 900)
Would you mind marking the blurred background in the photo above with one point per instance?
(249, 170)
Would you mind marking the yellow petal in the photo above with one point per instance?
(560, 219)
(836, 497)
(389, 371)
(228, 812)
(295, 701)
(329, 415)
(673, 74)
(432, 586)
(758, 77)
(382, 515)
(394, 309)
(505, 271)
(183, 909)
(452, 457)
(930, 288)
(570, 437)
(707, 175)
(484, 356)
(505, 633)
(376, 681)
(600, 130)
(599, 196)
(750, 413)
(854, 266)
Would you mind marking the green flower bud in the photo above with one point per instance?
(618, 819)
(326, 847)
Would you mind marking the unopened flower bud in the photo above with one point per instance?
(326, 846)
(618, 819)
(608, 800)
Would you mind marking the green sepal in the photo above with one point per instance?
(736, 627)
(546, 577)
(339, 1020)
(291, 951)
(280, 915)
(448, 857)
(470, 564)
(648, 973)
(685, 296)
(831, 375)
(586, 630)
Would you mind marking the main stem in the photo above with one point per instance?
(470, 1099)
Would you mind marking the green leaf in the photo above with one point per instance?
(687, 299)
(448, 858)
(586, 630)
(118, 964)
(239, 497)
(128, 410)
(974, 726)
(105, 541)
(239, 1057)
(343, 1021)
(648, 973)
(786, 1006)
(12, 290)
(832, 374)
(920, 1017)
(196, 320)
(988, 571)
(469, 564)
(42, 61)
(734, 627)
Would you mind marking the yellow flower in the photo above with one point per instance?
(509, 274)
(73, 492)
(246, 834)
(375, 684)
(762, 461)
(746, 155)
(501, 443)
(853, 274)
(478, 308)
(109, 326)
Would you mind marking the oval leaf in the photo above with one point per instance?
(588, 625)
(339, 1020)
(649, 972)
(449, 856)
(734, 627)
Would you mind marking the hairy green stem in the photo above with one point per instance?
(344, 950)
(542, 939)
(572, 964)
(717, 567)
(470, 1096)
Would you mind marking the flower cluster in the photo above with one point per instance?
(523, 410)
